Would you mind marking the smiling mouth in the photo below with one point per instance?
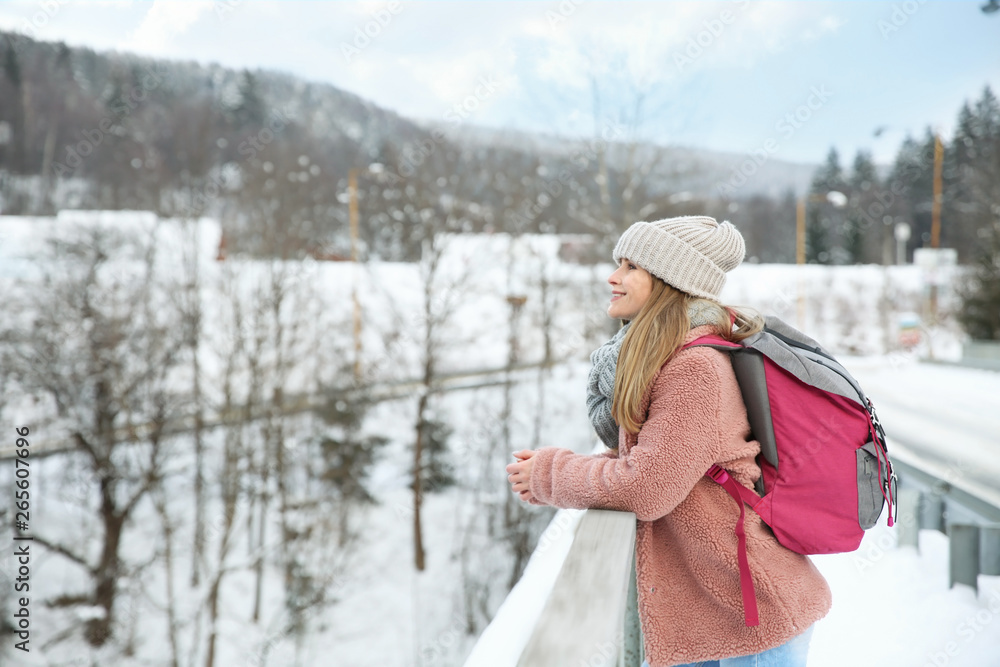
(617, 295)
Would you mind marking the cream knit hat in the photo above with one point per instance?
(692, 253)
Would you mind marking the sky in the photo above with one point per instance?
(789, 79)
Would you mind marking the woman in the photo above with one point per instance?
(678, 412)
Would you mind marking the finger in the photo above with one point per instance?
(513, 468)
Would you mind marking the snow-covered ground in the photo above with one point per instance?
(892, 606)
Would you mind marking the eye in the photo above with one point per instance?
(631, 266)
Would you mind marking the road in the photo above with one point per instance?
(945, 417)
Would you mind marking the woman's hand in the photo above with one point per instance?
(519, 474)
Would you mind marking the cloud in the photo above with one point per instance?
(164, 21)
(432, 55)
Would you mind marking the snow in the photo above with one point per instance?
(892, 606)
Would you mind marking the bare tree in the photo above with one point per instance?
(100, 348)
(169, 527)
(234, 457)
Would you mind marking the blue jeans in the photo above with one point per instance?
(792, 653)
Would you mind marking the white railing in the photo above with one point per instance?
(575, 604)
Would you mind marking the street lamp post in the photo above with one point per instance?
(902, 234)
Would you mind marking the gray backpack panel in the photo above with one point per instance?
(787, 348)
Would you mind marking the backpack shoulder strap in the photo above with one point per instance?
(736, 490)
(711, 340)
(748, 365)
(741, 495)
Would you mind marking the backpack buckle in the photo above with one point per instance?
(876, 423)
(717, 473)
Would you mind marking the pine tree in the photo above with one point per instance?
(980, 295)
(861, 229)
(11, 66)
(959, 206)
(347, 455)
(817, 238)
(438, 472)
(972, 176)
(912, 178)
(975, 152)
(249, 111)
(822, 217)
(12, 74)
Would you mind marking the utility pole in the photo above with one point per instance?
(936, 221)
(800, 259)
(352, 187)
(936, 206)
(839, 201)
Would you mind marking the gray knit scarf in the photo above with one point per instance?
(601, 383)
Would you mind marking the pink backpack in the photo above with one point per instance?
(825, 472)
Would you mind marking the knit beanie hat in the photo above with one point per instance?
(692, 253)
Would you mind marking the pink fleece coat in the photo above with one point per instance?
(687, 573)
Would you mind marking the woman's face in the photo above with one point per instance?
(630, 289)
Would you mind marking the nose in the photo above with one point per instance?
(613, 279)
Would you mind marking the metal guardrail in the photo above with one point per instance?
(969, 517)
(981, 354)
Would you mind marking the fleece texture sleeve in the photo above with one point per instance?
(676, 444)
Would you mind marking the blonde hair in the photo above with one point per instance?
(656, 333)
